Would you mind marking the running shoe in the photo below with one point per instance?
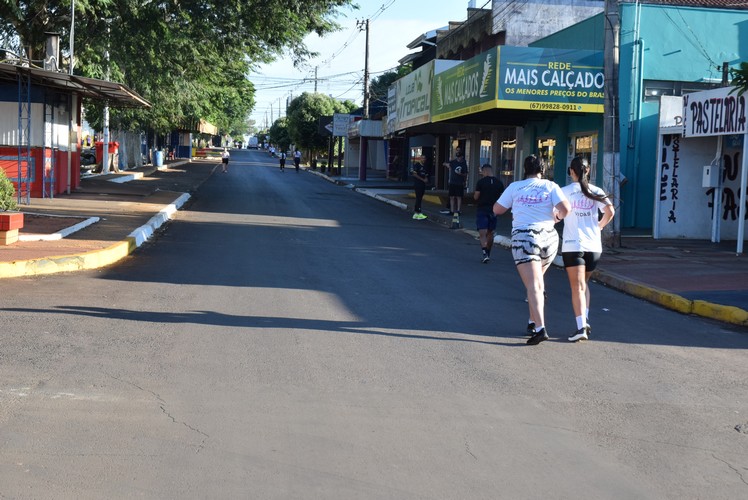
(581, 334)
(538, 337)
(530, 329)
(485, 259)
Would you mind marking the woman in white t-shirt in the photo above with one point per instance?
(582, 245)
(537, 204)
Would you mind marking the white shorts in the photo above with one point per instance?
(534, 244)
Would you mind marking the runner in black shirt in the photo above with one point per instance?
(487, 191)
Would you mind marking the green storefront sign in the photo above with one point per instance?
(466, 88)
(521, 78)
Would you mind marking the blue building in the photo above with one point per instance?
(667, 47)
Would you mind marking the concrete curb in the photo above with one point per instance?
(59, 234)
(144, 232)
(379, 197)
(668, 300)
(95, 258)
(672, 301)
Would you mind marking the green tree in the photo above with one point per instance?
(189, 58)
(279, 134)
(304, 113)
(380, 85)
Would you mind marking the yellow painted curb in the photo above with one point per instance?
(93, 259)
(727, 314)
(651, 294)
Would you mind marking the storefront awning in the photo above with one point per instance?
(116, 94)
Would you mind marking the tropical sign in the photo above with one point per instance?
(538, 79)
(413, 94)
(551, 79)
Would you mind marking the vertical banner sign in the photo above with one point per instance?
(714, 112)
(391, 127)
(551, 79)
(465, 89)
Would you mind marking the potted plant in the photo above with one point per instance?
(10, 219)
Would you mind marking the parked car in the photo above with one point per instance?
(88, 159)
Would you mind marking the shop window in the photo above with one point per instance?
(485, 151)
(547, 154)
(586, 147)
(654, 89)
(507, 155)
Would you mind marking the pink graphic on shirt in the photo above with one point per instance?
(582, 203)
(534, 197)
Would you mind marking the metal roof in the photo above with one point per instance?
(116, 94)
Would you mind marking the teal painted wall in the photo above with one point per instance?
(586, 35)
(679, 44)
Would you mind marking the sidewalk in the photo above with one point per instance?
(691, 277)
(115, 217)
(116, 213)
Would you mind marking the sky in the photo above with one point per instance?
(340, 65)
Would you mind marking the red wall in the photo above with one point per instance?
(59, 161)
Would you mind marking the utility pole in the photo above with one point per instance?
(361, 25)
(611, 133)
(105, 146)
(71, 144)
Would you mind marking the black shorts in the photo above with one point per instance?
(586, 259)
(225, 160)
(457, 190)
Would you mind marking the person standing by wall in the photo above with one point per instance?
(420, 179)
(487, 191)
(534, 237)
(458, 172)
(582, 243)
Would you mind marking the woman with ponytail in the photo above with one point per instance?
(537, 204)
(582, 243)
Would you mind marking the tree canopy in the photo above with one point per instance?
(189, 58)
(304, 113)
(380, 85)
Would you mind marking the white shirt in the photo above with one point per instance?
(532, 201)
(581, 231)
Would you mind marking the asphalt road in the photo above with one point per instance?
(286, 337)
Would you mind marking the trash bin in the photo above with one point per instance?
(158, 158)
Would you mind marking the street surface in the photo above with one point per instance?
(286, 337)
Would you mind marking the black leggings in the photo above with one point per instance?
(420, 189)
